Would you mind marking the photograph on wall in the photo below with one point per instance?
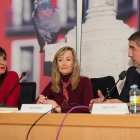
(20, 21)
(53, 19)
(105, 35)
(25, 58)
(128, 11)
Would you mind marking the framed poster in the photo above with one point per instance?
(25, 58)
(19, 18)
(105, 32)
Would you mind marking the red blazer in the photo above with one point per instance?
(8, 83)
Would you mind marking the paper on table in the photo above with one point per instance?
(8, 109)
(36, 108)
(110, 108)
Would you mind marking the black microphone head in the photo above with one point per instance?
(122, 75)
(23, 74)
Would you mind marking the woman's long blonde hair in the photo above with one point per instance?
(56, 76)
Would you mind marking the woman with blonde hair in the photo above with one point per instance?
(67, 88)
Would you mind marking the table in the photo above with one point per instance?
(14, 126)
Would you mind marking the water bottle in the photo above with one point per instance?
(134, 99)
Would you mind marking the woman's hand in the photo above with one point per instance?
(54, 104)
(44, 100)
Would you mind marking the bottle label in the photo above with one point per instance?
(135, 99)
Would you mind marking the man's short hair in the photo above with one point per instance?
(135, 36)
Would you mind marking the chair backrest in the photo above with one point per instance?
(104, 84)
(27, 93)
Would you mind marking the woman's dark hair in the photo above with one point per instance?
(2, 77)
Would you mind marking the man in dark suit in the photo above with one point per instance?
(133, 73)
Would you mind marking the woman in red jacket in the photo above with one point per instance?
(9, 92)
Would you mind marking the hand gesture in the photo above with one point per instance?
(97, 100)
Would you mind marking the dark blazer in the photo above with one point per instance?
(132, 77)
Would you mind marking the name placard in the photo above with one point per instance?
(36, 108)
(8, 109)
(110, 108)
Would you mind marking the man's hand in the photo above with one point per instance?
(113, 101)
(97, 100)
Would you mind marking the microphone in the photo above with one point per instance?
(10, 91)
(22, 75)
(122, 75)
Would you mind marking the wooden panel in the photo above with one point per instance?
(14, 126)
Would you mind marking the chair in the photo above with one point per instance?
(27, 93)
(104, 84)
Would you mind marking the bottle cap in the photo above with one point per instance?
(134, 86)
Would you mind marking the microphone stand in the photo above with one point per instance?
(7, 95)
(122, 75)
(10, 91)
(110, 92)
